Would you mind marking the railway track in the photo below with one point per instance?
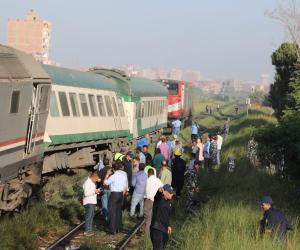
(74, 239)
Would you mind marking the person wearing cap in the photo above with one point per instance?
(89, 202)
(160, 228)
(146, 169)
(141, 155)
(178, 167)
(192, 177)
(273, 220)
(152, 186)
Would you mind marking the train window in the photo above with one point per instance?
(108, 105)
(149, 108)
(44, 98)
(145, 108)
(92, 102)
(159, 107)
(114, 106)
(74, 104)
(173, 88)
(137, 110)
(64, 103)
(120, 105)
(53, 105)
(15, 102)
(101, 105)
(84, 105)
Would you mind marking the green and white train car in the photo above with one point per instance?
(145, 102)
(86, 118)
(96, 114)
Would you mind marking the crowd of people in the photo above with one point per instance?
(144, 184)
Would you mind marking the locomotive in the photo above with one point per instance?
(56, 118)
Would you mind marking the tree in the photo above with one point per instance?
(284, 59)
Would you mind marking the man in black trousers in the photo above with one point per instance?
(160, 225)
(118, 185)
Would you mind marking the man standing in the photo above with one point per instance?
(153, 184)
(273, 220)
(127, 162)
(178, 170)
(144, 141)
(89, 202)
(192, 185)
(118, 185)
(213, 152)
(140, 154)
(195, 128)
(139, 182)
(206, 154)
(164, 149)
(147, 154)
(219, 147)
(176, 126)
(157, 160)
(105, 189)
(160, 224)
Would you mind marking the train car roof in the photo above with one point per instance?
(15, 64)
(76, 78)
(133, 86)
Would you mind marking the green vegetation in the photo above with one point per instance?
(281, 141)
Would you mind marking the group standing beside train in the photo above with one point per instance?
(148, 182)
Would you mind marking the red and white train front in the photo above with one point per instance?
(179, 99)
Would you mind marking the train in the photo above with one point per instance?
(54, 118)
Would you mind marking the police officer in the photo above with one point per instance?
(192, 176)
(274, 221)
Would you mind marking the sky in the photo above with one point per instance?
(223, 39)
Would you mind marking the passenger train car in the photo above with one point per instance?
(24, 92)
(179, 99)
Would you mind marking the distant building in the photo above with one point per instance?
(31, 35)
(175, 74)
(192, 76)
(265, 79)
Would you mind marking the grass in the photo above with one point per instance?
(230, 217)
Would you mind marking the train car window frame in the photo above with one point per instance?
(44, 96)
(121, 106)
(64, 106)
(74, 104)
(146, 109)
(114, 105)
(84, 105)
(15, 101)
(108, 105)
(54, 111)
(101, 105)
(92, 103)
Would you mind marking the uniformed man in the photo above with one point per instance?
(192, 177)
(274, 221)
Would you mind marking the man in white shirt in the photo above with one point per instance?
(118, 185)
(176, 126)
(89, 202)
(152, 186)
(219, 146)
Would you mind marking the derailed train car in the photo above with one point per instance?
(24, 92)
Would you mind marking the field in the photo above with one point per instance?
(229, 216)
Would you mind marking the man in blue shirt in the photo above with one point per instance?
(141, 155)
(118, 185)
(139, 181)
(206, 154)
(195, 128)
(274, 221)
(144, 141)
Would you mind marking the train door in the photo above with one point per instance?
(39, 103)
(117, 118)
